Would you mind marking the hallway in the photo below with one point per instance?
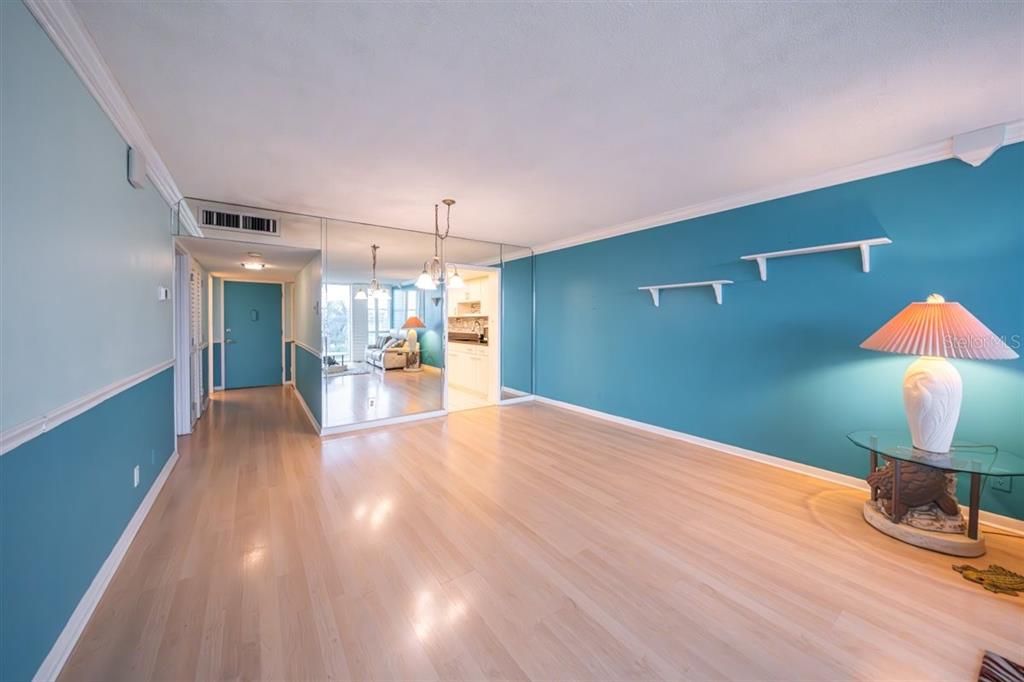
(517, 542)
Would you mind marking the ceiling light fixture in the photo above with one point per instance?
(375, 290)
(434, 270)
(254, 266)
(254, 254)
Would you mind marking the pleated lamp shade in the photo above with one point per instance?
(413, 323)
(938, 329)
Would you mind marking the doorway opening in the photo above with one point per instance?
(473, 348)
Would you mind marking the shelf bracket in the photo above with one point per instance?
(655, 296)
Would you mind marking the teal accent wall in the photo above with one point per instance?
(777, 367)
(216, 346)
(91, 250)
(517, 324)
(288, 360)
(65, 498)
(206, 371)
(431, 338)
(309, 380)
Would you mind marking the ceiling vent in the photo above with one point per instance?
(240, 222)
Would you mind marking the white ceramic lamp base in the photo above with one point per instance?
(932, 393)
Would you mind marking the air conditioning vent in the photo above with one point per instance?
(225, 220)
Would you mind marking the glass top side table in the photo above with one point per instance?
(974, 459)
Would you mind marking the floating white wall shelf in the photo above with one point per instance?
(715, 284)
(863, 244)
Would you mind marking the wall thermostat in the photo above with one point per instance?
(136, 168)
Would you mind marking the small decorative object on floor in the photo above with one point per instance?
(994, 578)
(995, 668)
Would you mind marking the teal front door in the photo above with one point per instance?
(252, 334)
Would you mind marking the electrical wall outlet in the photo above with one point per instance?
(1003, 484)
(373, 402)
(135, 475)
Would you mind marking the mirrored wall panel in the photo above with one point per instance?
(379, 322)
(383, 355)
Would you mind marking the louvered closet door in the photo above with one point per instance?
(195, 296)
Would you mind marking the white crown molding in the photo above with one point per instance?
(930, 153)
(22, 433)
(62, 23)
(51, 666)
(989, 518)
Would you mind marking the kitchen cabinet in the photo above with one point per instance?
(469, 368)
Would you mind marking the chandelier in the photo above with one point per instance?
(435, 271)
(375, 290)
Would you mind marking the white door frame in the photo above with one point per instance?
(182, 342)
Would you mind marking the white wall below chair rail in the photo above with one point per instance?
(26, 431)
(51, 666)
(988, 518)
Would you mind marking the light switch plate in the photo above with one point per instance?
(163, 293)
(135, 476)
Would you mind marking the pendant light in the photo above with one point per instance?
(455, 281)
(375, 290)
(434, 273)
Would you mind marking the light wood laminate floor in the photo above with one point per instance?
(519, 542)
(395, 393)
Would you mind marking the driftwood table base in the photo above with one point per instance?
(947, 543)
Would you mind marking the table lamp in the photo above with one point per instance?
(412, 324)
(932, 388)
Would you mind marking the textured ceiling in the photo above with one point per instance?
(546, 120)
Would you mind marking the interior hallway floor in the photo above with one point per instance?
(519, 542)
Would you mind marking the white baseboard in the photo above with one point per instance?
(65, 644)
(305, 408)
(516, 401)
(377, 423)
(515, 392)
(988, 518)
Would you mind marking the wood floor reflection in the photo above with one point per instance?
(519, 542)
(381, 395)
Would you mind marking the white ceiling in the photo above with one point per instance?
(224, 258)
(546, 120)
